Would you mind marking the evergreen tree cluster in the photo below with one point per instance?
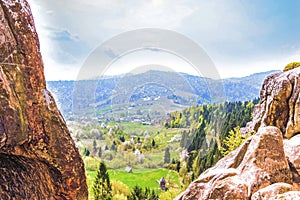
(210, 127)
(138, 194)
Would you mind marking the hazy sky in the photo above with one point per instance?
(241, 37)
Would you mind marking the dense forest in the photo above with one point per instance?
(213, 130)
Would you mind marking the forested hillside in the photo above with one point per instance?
(213, 129)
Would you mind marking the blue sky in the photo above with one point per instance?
(241, 37)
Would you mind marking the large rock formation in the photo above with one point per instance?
(266, 165)
(38, 158)
(280, 103)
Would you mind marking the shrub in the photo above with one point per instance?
(149, 164)
(119, 197)
(172, 193)
(117, 163)
(291, 66)
(119, 188)
(91, 164)
(233, 140)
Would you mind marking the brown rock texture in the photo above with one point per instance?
(292, 195)
(292, 149)
(280, 103)
(266, 165)
(256, 164)
(271, 191)
(38, 158)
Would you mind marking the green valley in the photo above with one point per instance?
(178, 148)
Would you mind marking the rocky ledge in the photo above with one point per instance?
(38, 158)
(266, 165)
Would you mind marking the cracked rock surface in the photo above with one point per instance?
(280, 103)
(38, 158)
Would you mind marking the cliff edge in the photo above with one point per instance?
(38, 158)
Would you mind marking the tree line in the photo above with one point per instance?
(213, 131)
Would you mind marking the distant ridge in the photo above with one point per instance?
(179, 89)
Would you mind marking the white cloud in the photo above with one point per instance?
(154, 14)
(233, 36)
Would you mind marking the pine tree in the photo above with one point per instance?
(167, 156)
(178, 166)
(232, 141)
(153, 143)
(122, 138)
(86, 152)
(173, 161)
(100, 152)
(94, 147)
(113, 147)
(102, 187)
(183, 141)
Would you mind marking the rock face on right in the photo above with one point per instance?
(280, 103)
(266, 165)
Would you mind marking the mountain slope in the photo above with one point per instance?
(167, 90)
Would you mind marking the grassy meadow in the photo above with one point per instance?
(145, 173)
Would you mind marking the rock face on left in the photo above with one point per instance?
(38, 158)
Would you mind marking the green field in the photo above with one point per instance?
(138, 128)
(144, 177)
(141, 177)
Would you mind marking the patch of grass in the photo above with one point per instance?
(138, 128)
(90, 176)
(141, 177)
(162, 139)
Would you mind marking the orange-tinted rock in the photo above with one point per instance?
(256, 164)
(39, 159)
(292, 195)
(280, 103)
(292, 151)
(271, 191)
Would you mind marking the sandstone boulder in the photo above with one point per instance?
(259, 162)
(271, 191)
(292, 151)
(292, 195)
(279, 103)
(38, 158)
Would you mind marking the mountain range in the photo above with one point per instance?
(153, 92)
